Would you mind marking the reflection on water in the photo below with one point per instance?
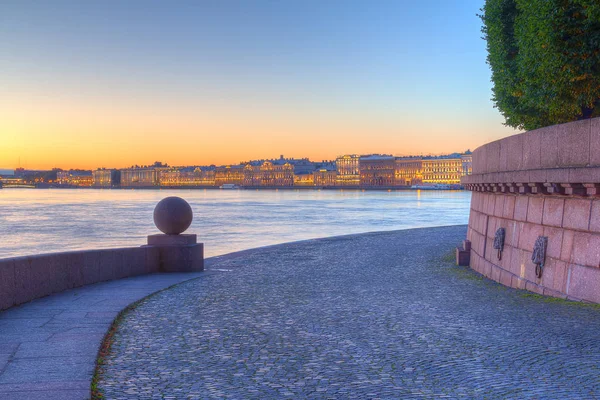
(42, 221)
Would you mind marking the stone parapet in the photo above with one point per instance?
(571, 145)
(23, 279)
(539, 184)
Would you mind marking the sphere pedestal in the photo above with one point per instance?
(177, 252)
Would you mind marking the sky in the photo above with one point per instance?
(88, 84)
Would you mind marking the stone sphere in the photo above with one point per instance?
(173, 215)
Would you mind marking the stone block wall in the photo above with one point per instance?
(23, 279)
(540, 183)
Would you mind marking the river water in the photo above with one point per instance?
(36, 221)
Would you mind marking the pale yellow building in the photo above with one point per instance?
(446, 169)
(443, 169)
(348, 170)
(304, 179)
(75, 178)
(408, 171)
(103, 177)
(187, 177)
(141, 176)
(229, 174)
(325, 178)
(268, 173)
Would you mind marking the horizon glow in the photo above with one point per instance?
(113, 84)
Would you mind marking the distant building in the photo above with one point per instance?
(144, 176)
(75, 178)
(304, 179)
(301, 165)
(12, 181)
(281, 172)
(443, 169)
(325, 177)
(326, 164)
(278, 173)
(467, 163)
(408, 171)
(191, 176)
(62, 177)
(106, 178)
(19, 172)
(139, 177)
(348, 170)
(377, 170)
(230, 174)
(6, 175)
(252, 175)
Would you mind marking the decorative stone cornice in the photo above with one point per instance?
(537, 188)
(560, 159)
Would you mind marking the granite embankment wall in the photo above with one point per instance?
(23, 279)
(540, 183)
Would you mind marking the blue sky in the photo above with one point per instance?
(408, 75)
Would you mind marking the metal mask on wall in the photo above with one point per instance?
(499, 241)
(539, 255)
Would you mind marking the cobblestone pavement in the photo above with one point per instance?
(49, 346)
(384, 315)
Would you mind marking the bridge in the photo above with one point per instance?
(16, 185)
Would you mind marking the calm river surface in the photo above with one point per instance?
(41, 221)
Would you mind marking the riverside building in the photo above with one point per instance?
(348, 170)
(377, 170)
(281, 172)
(443, 169)
(75, 178)
(325, 177)
(467, 162)
(139, 177)
(269, 173)
(408, 171)
(190, 176)
(229, 174)
(446, 169)
(367, 171)
(106, 178)
(304, 179)
(147, 176)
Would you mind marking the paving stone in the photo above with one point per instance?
(49, 395)
(24, 336)
(28, 311)
(43, 386)
(56, 349)
(369, 316)
(47, 369)
(68, 337)
(4, 361)
(8, 348)
(24, 324)
(48, 347)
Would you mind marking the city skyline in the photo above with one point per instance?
(349, 170)
(8, 169)
(115, 83)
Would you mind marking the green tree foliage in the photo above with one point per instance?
(545, 59)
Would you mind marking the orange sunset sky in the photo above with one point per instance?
(85, 87)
